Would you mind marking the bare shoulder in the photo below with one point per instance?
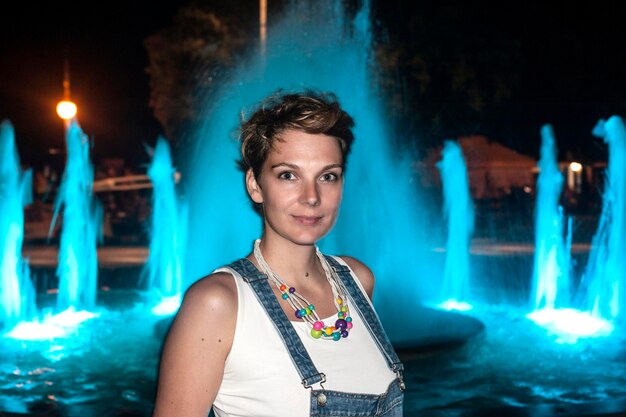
(208, 303)
(196, 347)
(216, 292)
(363, 273)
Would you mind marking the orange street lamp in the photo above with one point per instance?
(66, 109)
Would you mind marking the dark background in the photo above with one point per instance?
(104, 45)
(559, 63)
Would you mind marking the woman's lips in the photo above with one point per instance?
(308, 220)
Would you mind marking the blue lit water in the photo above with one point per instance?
(516, 369)
(17, 295)
(81, 215)
(102, 367)
(605, 275)
(459, 212)
(551, 272)
(163, 270)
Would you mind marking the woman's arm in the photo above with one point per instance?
(192, 361)
(363, 273)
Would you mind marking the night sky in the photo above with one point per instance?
(104, 44)
(573, 69)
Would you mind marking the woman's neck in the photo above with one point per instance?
(289, 260)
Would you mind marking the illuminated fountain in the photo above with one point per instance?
(459, 211)
(163, 269)
(551, 276)
(77, 258)
(55, 361)
(605, 275)
(551, 271)
(17, 295)
(572, 363)
(77, 268)
(553, 302)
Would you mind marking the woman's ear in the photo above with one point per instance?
(253, 187)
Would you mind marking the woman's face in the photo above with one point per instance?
(300, 186)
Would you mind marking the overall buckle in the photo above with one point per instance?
(320, 397)
(398, 371)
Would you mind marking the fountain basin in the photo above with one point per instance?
(105, 366)
(428, 330)
(515, 368)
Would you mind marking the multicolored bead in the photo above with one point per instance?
(303, 309)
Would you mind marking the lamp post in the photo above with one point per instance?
(66, 109)
(263, 25)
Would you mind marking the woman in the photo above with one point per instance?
(285, 331)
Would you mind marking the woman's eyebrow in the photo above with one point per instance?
(294, 166)
(285, 164)
(331, 166)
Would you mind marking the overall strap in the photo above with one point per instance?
(369, 316)
(263, 292)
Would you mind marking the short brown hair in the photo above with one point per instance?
(307, 111)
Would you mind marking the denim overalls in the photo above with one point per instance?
(327, 403)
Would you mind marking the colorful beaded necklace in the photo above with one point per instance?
(305, 310)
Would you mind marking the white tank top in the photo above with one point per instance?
(261, 380)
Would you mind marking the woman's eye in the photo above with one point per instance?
(286, 175)
(330, 177)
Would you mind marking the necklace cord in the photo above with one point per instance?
(304, 310)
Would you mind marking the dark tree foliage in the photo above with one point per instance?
(188, 60)
(444, 71)
(502, 70)
(190, 57)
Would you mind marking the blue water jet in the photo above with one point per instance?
(163, 269)
(17, 294)
(459, 212)
(552, 299)
(605, 274)
(313, 46)
(77, 268)
(551, 278)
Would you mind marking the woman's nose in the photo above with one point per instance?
(310, 194)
